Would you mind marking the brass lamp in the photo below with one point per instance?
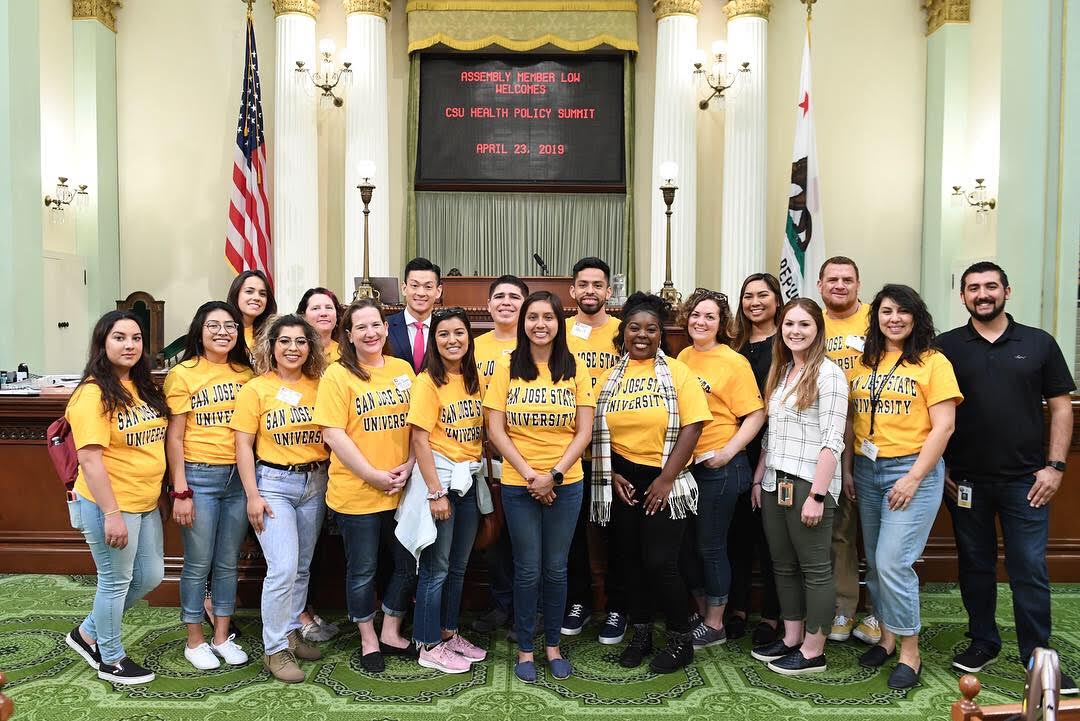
(669, 171)
(367, 171)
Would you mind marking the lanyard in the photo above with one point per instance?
(876, 390)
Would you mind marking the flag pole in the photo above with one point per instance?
(809, 15)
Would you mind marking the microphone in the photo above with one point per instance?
(540, 262)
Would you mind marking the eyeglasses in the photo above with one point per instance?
(441, 313)
(285, 342)
(214, 326)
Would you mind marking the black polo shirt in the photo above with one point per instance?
(999, 426)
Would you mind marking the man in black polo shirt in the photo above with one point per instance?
(997, 463)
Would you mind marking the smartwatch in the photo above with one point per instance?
(1058, 466)
(557, 476)
(819, 497)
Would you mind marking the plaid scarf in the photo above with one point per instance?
(683, 498)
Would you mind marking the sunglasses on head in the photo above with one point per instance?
(455, 311)
(704, 293)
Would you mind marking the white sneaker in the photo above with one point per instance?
(201, 657)
(230, 652)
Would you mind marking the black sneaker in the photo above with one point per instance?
(679, 653)
(614, 629)
(772, 651)
(89, 652)
(575, 619)
(705, 636)
(493, 619)
(795, 664)
(974, 659)
(125, 671)
(1068, 686)
(639, 647)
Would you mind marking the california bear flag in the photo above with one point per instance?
(804, 244)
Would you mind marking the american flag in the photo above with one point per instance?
(247, 239)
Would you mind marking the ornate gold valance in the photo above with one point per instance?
(522, 25)
(752, 8)
(104, 11)
(367, 7)
(939, 12)
(304, 7)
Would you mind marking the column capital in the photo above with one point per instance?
(939, 12)
(304, 7)
(748, 8)
(663, 8)
(104, 11)
(380, 8)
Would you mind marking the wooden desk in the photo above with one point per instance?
(472, 290)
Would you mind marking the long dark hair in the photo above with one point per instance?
(640, 301)
(100, 370)
(922, 338)
(348, 357)
(194, 349)
(723, 329)
(433, 362)
(743, 326)
(561, 364)
(271, 304)
(263, 355)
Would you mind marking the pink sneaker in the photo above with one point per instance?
(460, 646)
(443, 658)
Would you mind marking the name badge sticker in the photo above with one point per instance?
(869, 449)
(288, 395)
(403, 383)
(856, 342)
(582, 331)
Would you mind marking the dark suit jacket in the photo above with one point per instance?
(398, 340)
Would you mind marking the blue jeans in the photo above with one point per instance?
(1025, 530)
(718, 493)
(442, 570)
(124, 575)
(363, 534)
(298, 501)
(894, 540)
(540, 536)
(213, 540)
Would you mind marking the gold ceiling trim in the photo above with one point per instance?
(748, 8)
(940, 12)
(381, 8)
(104, 11)
(665, 8)
(303, 7)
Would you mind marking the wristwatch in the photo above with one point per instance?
(557, 476)
(1058, 466)
(819, 497)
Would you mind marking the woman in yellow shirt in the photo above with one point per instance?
(285, 482)
(649, 415)
(363, 402)
(209, 503)
(447, 424)
(251, 294)
(320, 308)
(721, 468)
(903, 406)
(118, 418)
(540, 412)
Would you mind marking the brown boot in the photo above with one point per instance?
(282, 666)
(300, 648)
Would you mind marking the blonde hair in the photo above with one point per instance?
(805, 389)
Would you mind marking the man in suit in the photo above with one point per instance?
(408, 330)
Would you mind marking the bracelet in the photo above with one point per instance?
(441, 493)
(111, 513)
(181, 495)
(756, 483)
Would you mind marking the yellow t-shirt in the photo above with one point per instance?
(597, 351)
(133, 440)
(280, 416)
(372, 413)
(206, 392)
(454, 418)
(730, 389)
(902, 421)
(636, 415)
(249, 336)
(844, 338)
(541, 417)
(333, 351)
(489, 352)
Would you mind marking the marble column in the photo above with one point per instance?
(675, 139)
(295, 152)
(742, 225)
(367, 137)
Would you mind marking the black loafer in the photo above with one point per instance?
(412, 651)
(772, 651)
(904, 677)
(373, 662)
(875, 657)
(736, 626)
(764, 634)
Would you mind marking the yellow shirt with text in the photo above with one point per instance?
(206, 393)
(280, 415)
(541, 417)
(597, 352)
(902, 420)
(844, 338)
(489, 352)
(730, 389)
(453, 417)
(637, 416)
(133, 440)
(373, 414)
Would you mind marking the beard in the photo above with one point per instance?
(986, 315)
(590, 307)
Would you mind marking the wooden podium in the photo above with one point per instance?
(471, 291)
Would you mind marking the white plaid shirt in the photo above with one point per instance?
(794, 439)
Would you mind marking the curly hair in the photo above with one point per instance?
(262, 354)
(641, 302)
(923, 335)
(723, 330)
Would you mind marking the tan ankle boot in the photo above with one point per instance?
(301, 648)
(282, 666)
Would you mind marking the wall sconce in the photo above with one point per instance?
(717, 78)
(977, 199)
(327, 77)
(669, 171)
(65, 196)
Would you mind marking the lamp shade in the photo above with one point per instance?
(366, 169)
(669, 170)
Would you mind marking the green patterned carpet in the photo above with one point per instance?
(48, 682)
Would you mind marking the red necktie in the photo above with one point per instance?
(418, 346)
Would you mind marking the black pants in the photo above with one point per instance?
(647, 552)
(578, 566)
(746, 542)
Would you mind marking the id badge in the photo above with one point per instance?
(580, 330)
(785, 493)
(856, 342)
(964, 492)
(288, 395)
(869, 449)
(403, 382)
